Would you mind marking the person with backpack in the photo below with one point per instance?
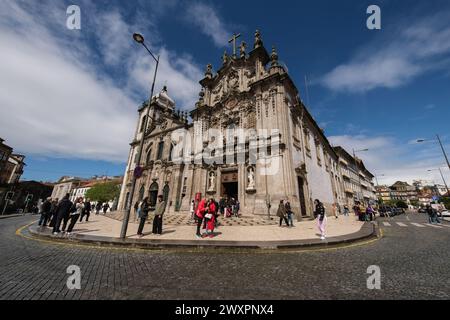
(320, 214)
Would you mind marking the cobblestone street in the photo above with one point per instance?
(413, 261)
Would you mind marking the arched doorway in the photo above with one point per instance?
(166, 191)
(153, 194)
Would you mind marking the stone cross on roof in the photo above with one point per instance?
(233, 40)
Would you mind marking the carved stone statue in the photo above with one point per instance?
(258, 40)
(242, 48)
(225, 58)
(251, 178)
(212, 180)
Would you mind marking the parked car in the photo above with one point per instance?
(385, 211)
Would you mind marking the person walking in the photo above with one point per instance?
(281, 213)
(143, 215)
(289, 213)
(319, 213)
(159, 212)
(346, 211)
(98, 207)
(370, 213)
(222, 205)
(199, 216)
(79, 210)
(86, 210)
(62, 213)
(45, 215)
(105, 207)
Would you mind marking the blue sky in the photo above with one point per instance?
(68, 98)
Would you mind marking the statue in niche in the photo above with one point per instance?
(251, 178)
(212, 180)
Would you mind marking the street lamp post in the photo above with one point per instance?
(438, 139)
(357, 169)
(442, 176)
(139, 39)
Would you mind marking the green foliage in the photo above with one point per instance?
(103, 192)
(415, 203)
(401, 204)
(446, 202)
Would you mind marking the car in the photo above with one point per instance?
(445, 213)
(386, 211)
(422, 210)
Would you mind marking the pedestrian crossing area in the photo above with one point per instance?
(414, 224)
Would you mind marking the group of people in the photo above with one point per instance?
(285, 213)
(364, 213)
(143, 210)
(432, 213)
(64, 214)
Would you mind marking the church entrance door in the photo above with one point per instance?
(230, 184)
(301, 194)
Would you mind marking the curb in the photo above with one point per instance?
(367, 232)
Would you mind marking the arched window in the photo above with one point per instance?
(149, 157)
(153, 194)
(141, 193)
(143, 123)
(166, 191)
(160, 150)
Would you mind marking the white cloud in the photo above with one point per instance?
(207, 19)
(55, 101)
(392, 160)
(395, 60)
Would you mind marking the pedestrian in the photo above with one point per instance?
(199, 216)
(222, 205)
(289, 213)
(334, 209)
(370, 212)
(237, 207)
(210, 217)
(346, 211)
(159, 212)
(86, 210)
(52, 217)
(137, 209)
(319, 213)
(62, 213)
(105, 207)
(45, 214)
(281, 213)
(143, 215)
(192, 210)
(74, 215)
(98, 207)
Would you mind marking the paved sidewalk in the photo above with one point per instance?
(102, 229)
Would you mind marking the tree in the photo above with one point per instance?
(103, 192)
(401, 204)
(446, 202)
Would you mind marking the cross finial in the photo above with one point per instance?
(233, 40)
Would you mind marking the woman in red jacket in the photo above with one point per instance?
(211, 218)
(199, 216)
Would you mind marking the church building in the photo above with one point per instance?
(251, 138)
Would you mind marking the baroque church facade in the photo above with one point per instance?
(251, 93)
